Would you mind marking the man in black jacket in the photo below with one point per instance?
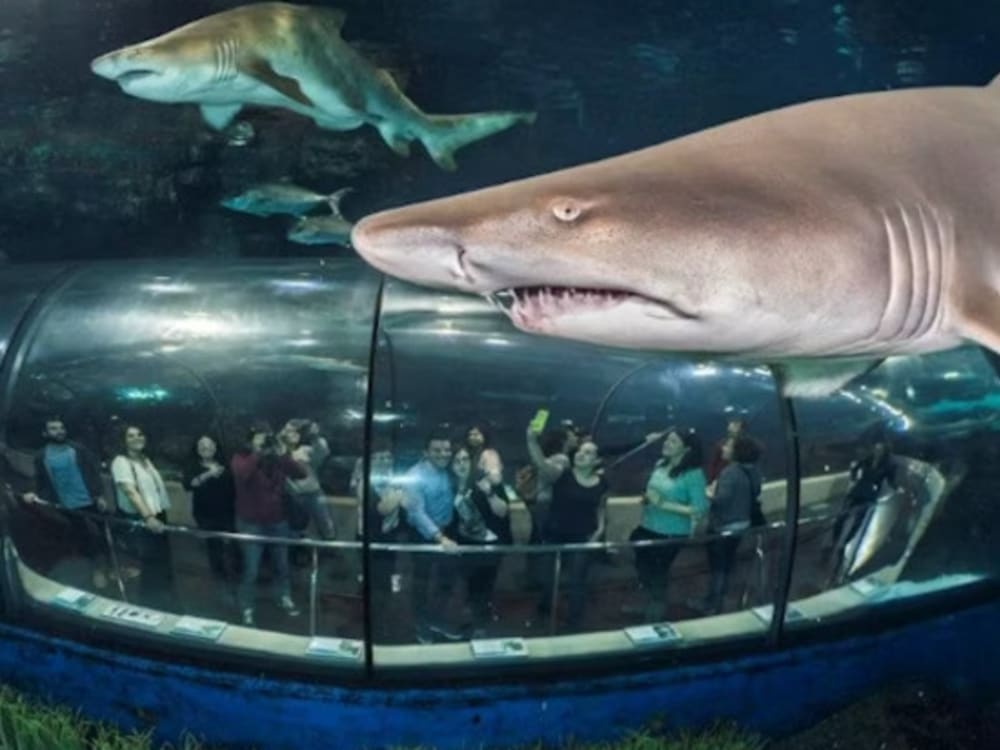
(68, 475)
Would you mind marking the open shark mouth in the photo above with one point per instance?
(528, 307)
(134, 75)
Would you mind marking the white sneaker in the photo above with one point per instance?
(288, 606)
(247, 617)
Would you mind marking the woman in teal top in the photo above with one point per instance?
(673, 505)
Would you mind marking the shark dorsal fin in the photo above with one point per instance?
(261, 69)
(334, 200)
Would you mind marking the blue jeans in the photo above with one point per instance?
(252, 552)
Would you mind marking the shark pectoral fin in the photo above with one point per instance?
(218, 116)
(815, 378)
(261, 69)
(393, 138)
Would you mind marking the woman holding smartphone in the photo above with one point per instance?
(577, 513)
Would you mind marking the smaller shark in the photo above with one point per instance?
(292, 57)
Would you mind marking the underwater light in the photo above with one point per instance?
(150, 393)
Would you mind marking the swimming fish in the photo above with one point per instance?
(292, 57)
(273, 198)
(818, 238)
(331, 229)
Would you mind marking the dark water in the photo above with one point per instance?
(86, 171)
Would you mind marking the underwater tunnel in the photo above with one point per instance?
(507, 638)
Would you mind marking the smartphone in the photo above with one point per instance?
(539, 420)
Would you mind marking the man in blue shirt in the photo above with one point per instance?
(68, 475)
(430, 512)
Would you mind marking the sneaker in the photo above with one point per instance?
(247, 617)
(288, 606)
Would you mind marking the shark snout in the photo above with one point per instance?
(105, 66)
(427, 254)
(123, 64)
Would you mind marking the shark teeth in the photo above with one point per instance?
(526, 305)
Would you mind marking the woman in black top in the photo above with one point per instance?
(579, 496)
(483, 514)
(212, 501)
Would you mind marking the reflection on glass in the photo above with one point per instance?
(541, 501)
(881, 525)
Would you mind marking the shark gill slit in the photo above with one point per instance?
(932, 257)
(915, 244)
(888, 327)
(945, 226)
(219, 53)
(230, 71)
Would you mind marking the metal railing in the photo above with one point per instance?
(113, 525)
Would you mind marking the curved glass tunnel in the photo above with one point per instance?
(185, 350)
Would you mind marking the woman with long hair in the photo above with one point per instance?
(482, 507)
(731, 511)
(576, 515)
(141, 496)
(673, 505)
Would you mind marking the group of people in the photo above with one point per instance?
(457, 494)
(269, 488)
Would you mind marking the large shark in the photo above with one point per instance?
(819, 238)
(289, 56)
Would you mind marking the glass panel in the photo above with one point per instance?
(891, 484)
(17, 292)
(141, 365)
(455, 387)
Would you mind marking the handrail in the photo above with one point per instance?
(197, 533)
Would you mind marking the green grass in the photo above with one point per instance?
(31, 725)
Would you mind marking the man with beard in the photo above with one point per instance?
(68, 475)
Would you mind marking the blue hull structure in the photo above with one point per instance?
(775, 692)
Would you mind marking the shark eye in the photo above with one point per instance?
(566, 210)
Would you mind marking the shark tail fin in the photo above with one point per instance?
(333, 200)
(443, 135)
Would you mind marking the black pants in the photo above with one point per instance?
(574, 570)
(721, 558)
(481, 573)
(88, 533)
(434, 576)
(381, 567)
(653, 563)
(152, 551)
(223, 556)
